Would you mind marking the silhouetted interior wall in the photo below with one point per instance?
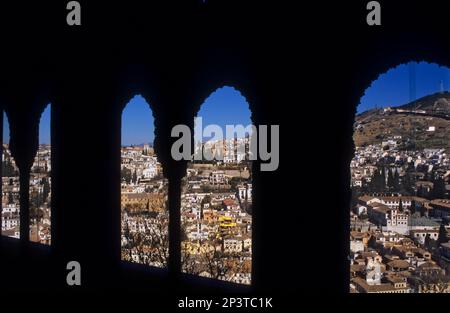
(302, 68)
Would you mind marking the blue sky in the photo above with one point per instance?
(44, 127)
(392, 87)
(137, 122)
(224, 106)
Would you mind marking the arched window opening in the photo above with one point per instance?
(216, 203)
(40, 184)
(400, 207)
(10, 188)
(144, 190)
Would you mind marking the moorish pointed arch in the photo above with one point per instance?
(216, 198)
(10, 187)
(144, 190)
(398, 177)
(40, 183)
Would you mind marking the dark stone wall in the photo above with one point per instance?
(304, 68)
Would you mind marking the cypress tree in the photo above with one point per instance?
(413, 207)
(390, 180)
(383, 180)
(46, 188)
(423, 211)
(442, 237)
(427, 241)
(135, 177)
(396, 181)
(438, 189)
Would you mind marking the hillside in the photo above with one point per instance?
(437, 102)
(424, 123)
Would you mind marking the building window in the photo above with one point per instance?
(10, 188)
(40, 184)
(144, 190)
(216, 198)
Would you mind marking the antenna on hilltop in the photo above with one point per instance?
(412, 81)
